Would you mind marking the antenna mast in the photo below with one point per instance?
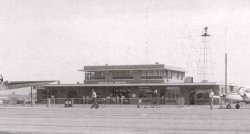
(203, 62)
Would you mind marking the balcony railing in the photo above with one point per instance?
(152, 77)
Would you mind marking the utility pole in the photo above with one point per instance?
(225, 73)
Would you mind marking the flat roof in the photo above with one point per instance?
(141, 84)
(132, 67)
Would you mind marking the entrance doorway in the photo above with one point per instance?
(191, 96)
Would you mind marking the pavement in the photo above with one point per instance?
(123, 119)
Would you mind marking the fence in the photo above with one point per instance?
(116, 101)
(113, 101)
(89, 100)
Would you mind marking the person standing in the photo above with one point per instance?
(1, 79)
(211, 94)
(122, 98)
(94, 96)
(155, 101)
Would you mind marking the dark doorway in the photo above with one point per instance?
(72, 94)
(191, 96)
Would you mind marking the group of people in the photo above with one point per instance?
(94, 99)
(96, 105)
(114, 100)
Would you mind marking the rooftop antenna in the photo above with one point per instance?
(146, 43)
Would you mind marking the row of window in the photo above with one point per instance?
(129, 74)
(123, 74)
(149, 73)
(94, 75)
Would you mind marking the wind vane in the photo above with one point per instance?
(205, 33)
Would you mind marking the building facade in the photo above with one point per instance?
(130, 84)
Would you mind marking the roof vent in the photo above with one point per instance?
(106, 64)
(204, 81)
(156, 62)
(189, 79)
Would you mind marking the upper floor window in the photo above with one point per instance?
(94, 75)
(169, 74)
(122, 74)
(182, 76)
(155, 72)
(87, 75)
(144, 73)
(152, 74)
(131, 72)
(160, 73)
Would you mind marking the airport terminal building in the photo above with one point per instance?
(133, 84)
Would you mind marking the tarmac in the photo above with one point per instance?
(123, 119)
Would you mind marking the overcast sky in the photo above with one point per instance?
(52, 39)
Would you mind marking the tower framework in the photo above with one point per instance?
(205, 60)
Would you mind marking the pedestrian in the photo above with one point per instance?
(1, 79)
(94, 96)
(122, 98)
(117, 100)
(211, 94)
(154, 96)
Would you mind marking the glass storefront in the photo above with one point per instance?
(171, 94)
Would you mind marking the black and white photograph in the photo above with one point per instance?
(124, 66)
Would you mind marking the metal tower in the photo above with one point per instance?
(204, 59)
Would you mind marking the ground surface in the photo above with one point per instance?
(124, 120)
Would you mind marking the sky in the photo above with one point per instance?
(53, 39)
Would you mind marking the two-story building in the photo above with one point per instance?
(134, 82)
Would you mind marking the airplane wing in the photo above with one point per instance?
(21, 84)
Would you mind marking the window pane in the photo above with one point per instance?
(150, 73)
(169, 74)
(160, 72)
(155, 73)
(144, 73)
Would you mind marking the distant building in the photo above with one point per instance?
(134, 82)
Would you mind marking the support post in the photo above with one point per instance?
(31, 96)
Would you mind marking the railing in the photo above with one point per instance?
(90, 101)
(152, 77)
(109, 100)
(104, 101)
